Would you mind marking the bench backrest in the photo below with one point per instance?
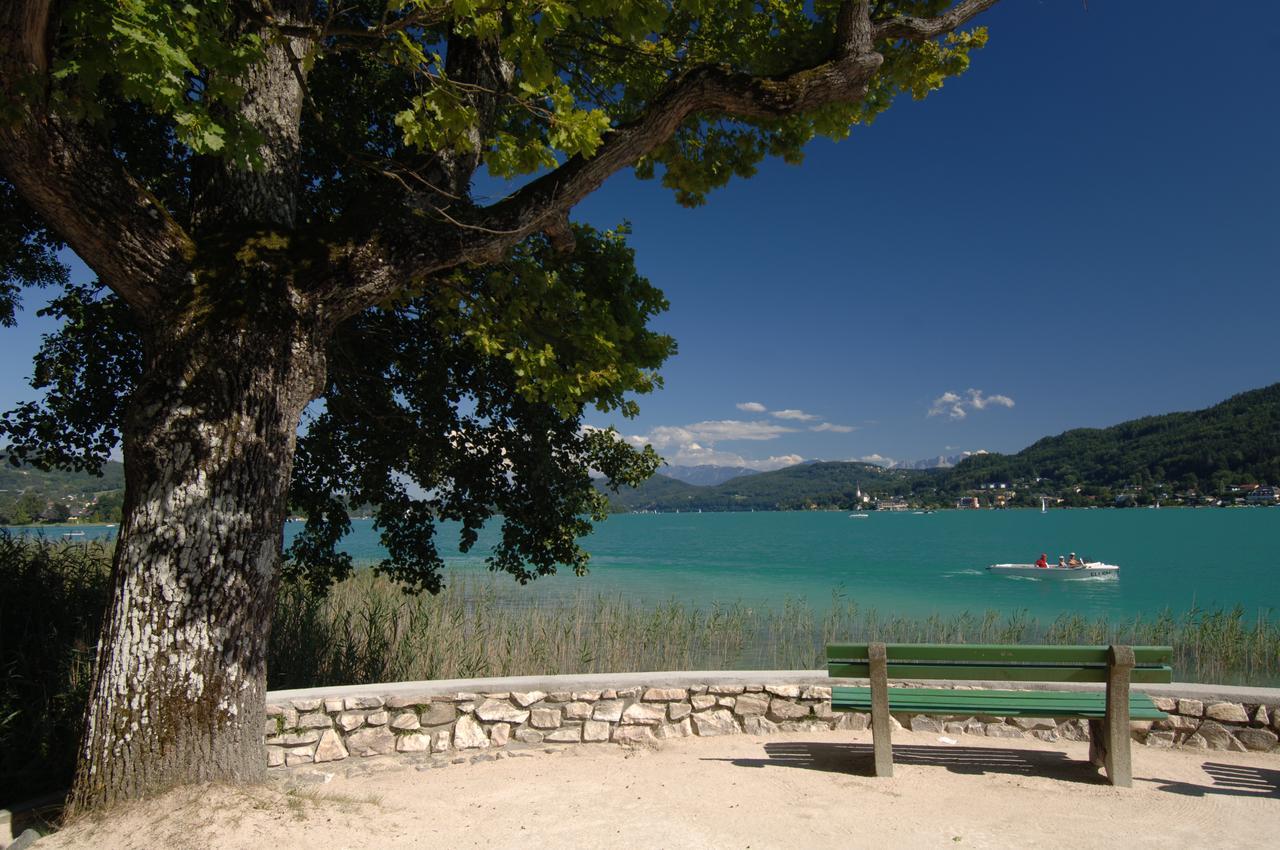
(994, 662)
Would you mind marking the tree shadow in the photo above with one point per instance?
(857, 760)
(1236, 780)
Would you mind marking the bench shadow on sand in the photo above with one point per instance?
(1235, 780)
(856, 760)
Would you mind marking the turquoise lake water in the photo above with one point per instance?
(914, 564)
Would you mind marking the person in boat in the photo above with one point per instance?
(1073, 561)
(1043, 563)
(1062, 563)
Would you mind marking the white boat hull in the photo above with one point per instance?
(1093, 569)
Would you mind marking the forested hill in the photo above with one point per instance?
(57, 483)
(793, 488)
(1237, 440)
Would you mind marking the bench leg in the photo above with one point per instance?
(1097, 743)
(1119, 766)
(881, 731)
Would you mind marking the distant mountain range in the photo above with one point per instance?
(1237, 441)
(706, 475)
(939, 462)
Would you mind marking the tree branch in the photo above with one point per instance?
(81, 190)
(391, 263)
(919, 29)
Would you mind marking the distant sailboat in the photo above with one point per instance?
(1043, 508)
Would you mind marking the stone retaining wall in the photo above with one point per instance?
(331, 727)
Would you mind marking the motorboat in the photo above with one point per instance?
(858, 516)
(1090, 569)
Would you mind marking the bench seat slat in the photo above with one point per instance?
(1143, 655)
(998, 703)
(1025, 672)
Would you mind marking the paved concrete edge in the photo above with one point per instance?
(687, 678)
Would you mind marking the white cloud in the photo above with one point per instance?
(751, 406)
(838, 429)
(697, 455)
(877, 459)
(797, 415)
(709, 433)
(956, 406)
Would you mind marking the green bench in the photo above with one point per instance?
(1108, 712)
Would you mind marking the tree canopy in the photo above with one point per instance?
(469, 336)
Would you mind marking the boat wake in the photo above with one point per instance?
(962, 573)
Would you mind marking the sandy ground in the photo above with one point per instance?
(741, 791)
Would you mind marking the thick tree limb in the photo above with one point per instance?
(919, 29)
(73, 180)
(391, 263)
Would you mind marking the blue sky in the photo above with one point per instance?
(1081, 230)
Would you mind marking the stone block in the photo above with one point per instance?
(785, 709)
(816, 692)
(271, 726)
(1166, 704)
(629, 693)
(414, 742)
(953, 727)
(295, 739)
(406, 722)
(925, 723)
(1074, 730)
(664, 694)
(851, 721)
(749, 704)
(1045, 734)
(438, 714)
(701, 702)
(718, 722)
(586, 696)
(633, 735)
(374, 741)
(408, 701)
(595, 731)
(999, 730)
(1195, 741)
(608, 693)
(1160, 740)
(726, 702)
(1226, 712)
(822, 709)
(560, 696)
(311, 704)
(528, 735)
(754, 689)
(757, 725)
(1259, 740)
(545, 718)
(466, 696)
(678, 710)
(683, 729)
(441, 739)
(468, 734)
(500, 734)
(501, 711)
(1191, 707)
(639, 714)
(1215, 735)
(564, 735)
(363, 702)
(725, 690)
(1260, 716)
(315, 720)
(275, 709)
(275, 757)
(577, 711)
(349, 721)
(299, 755)
(1026, 724)
(697, 689)
(608, 709)
(333, 704)
(790, 691)
(528, 698)
(331, 747)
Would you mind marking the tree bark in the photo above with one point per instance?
(180, 680)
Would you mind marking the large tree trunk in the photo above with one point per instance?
(178, 690)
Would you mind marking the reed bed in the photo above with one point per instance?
(366, 630)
